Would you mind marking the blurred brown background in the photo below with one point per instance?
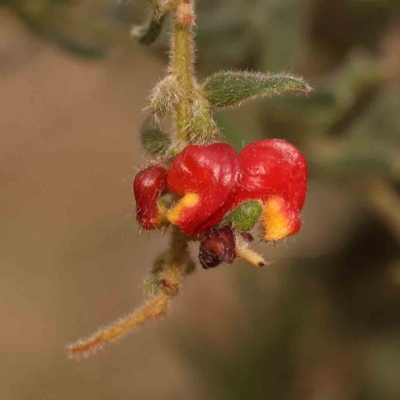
(321, 322)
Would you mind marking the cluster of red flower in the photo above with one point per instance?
(213, 181)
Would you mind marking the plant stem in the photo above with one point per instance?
(177, 260)
(181, 64)
(174, 272)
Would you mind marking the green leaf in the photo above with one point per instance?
(244, 217)
(148, 33)
(227, 89)
(153, 139)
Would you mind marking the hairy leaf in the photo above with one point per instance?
(148, 33)
(153, 139)
(226, 89)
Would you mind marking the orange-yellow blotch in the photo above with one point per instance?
(161, 218)
(188, 201)
(278, 221)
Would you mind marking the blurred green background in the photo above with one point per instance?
(321, 322)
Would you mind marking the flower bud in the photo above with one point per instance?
(217, 246)
(148, 185)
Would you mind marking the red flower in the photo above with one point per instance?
(148, 185)
(205, 176)
(213, 180)
(274, 172)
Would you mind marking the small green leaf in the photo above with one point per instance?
(227, 89)
(244, 217)
(148, 33)
(153, 139)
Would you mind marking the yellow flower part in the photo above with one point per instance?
(276, 221)
(188, 201)
(162, 211)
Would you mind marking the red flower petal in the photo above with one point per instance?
(275, 172)
(148, 185)
(206, 176)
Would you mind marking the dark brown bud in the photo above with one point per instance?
(217, 246)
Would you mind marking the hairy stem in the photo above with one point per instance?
(174, 271)
(177, 260)
(181, 64)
